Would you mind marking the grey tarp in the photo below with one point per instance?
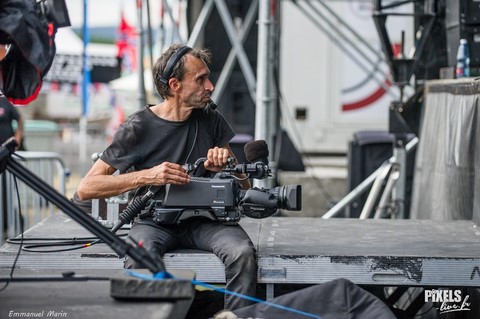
(447, 160)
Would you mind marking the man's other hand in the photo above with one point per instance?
(216, 159)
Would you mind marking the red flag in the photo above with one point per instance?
(127, 45)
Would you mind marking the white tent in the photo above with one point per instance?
(68, 42)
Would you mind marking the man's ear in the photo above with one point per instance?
(174, 84)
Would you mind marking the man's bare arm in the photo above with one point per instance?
(100, 183)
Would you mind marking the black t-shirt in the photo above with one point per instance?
(8, 113)
(145, 140)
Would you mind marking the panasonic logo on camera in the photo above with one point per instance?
(218, 186)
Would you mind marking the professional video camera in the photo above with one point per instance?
(221, 198)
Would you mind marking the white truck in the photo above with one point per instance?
(334, 78)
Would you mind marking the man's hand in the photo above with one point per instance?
(168, 173)
(216, 159)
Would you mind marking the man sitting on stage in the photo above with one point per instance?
(155, 142)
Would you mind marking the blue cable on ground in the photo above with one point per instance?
(167, 275)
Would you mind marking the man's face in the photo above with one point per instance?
(196, 87)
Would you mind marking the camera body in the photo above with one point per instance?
(215, 199)
(221, 198)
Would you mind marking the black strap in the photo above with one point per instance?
(167, 73)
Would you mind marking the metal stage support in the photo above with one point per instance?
(402, 69)
(380, 174)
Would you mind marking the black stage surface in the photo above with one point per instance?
(302, 251)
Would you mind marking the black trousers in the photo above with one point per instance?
(229, 243)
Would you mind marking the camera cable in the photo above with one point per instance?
(38, 242)
(21, 236)
(75, 243)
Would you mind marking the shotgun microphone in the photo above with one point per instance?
(256, 151)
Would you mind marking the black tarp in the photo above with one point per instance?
(337, 299)
(29, 27)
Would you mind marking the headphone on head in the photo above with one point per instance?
(172, 61)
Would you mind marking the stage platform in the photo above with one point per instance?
(85, 295)
(300, 251)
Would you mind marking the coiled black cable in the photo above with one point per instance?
(134, 209)
(128, 214)
(76, 242)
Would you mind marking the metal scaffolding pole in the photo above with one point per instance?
(142, 99)
(237, 46)
(232, 57)
(85, 91)
(266, 114)
(263, 94)
(237, 38)
(200, 23)
(175, 27)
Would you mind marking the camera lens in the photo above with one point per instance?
(289, 197)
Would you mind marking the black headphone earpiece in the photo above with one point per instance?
(172, 61)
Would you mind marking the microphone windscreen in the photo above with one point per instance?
(255, 150)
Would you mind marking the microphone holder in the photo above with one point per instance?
(120, 246)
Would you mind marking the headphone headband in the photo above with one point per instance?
(172, 61)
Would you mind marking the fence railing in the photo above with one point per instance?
(17, 197)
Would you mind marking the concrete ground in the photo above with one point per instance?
(323, 183)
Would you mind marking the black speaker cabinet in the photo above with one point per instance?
(367, 152)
